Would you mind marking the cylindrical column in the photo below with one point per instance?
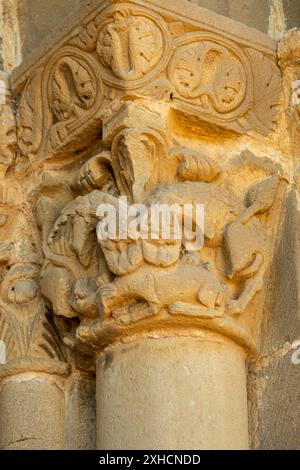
(172, 393)
(32, 413)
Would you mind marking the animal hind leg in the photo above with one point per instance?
(135, 312)
(194, 310)
(251, 287)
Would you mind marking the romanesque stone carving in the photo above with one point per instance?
(131, 52)
(26, 328)
(73, 89)
(106, 101)
(209, 73)
(131, 44)
(7, 136)
(135, 156)
(157, 285)
(195, 166)
(30, 117)
(119, 283)
(29, 333)
(70, 247)
(136, 105)
(96, 173)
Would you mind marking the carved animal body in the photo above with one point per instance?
(220, 205)
(182, 288)
(177, 287)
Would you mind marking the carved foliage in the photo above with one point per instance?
(7, 126)
(74, 93)
(30, 117)
(262, 115)
(135, 155)
(27, 330)
(7, 136)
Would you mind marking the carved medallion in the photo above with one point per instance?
(73, 86)
(132, 46)
(74, 93)
(211, 75)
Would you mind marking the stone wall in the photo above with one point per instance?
(274, 377)
(39, 18)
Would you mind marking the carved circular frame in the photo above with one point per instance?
(167, 43)
(91, 65)
(193, 39)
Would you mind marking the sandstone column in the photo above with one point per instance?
(32, 413)
(32, 367)
(172, 393)
(138, 106)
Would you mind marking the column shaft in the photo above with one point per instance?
(172, 393)
(32, 413)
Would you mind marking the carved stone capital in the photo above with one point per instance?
(126, 286)
(136, 100)
(202, 67)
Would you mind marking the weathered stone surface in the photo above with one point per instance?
(38, 19)
(254, 13)
(136, 101)
(81, 415)
(274, 378)
(292, 13)
(230, 275)
(278, 401)
(233, 98)
(32, 414)
(177, 386)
